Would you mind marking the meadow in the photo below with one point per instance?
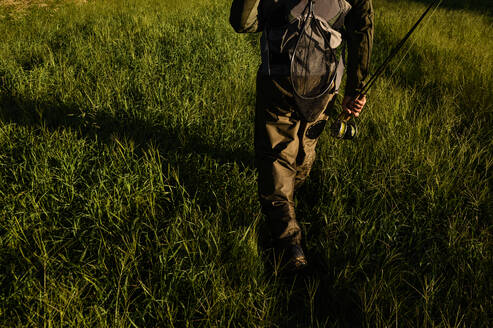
(128, 186)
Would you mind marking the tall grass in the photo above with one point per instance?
(128, 190)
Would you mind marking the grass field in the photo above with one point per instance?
(128, 190)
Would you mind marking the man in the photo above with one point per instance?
(286, 137)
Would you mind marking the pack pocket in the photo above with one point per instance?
(313, 62)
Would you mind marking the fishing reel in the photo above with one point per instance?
(344, 128)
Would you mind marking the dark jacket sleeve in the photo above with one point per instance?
(359, 29)
(244, 16)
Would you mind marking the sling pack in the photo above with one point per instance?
(305, 47)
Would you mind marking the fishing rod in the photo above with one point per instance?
(347, 130)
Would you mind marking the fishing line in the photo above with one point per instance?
(396, 49)
(347, 130)
(413, 42)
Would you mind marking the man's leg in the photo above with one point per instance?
(308, 135)
(276, 149)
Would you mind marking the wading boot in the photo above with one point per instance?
(291, 258)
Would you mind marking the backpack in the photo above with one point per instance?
(305, 47)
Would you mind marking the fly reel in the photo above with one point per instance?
(344, 127)
(341, 129)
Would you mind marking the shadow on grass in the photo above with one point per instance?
(311, 298)
(175, 144)
(104, 127)
(182, 148)
(299, 306)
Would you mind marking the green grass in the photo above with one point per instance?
(128, 190)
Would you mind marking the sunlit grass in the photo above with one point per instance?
(128, 190)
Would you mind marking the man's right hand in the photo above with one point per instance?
(353, 106)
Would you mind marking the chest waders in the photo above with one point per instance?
(302, 67)
(301, 70)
